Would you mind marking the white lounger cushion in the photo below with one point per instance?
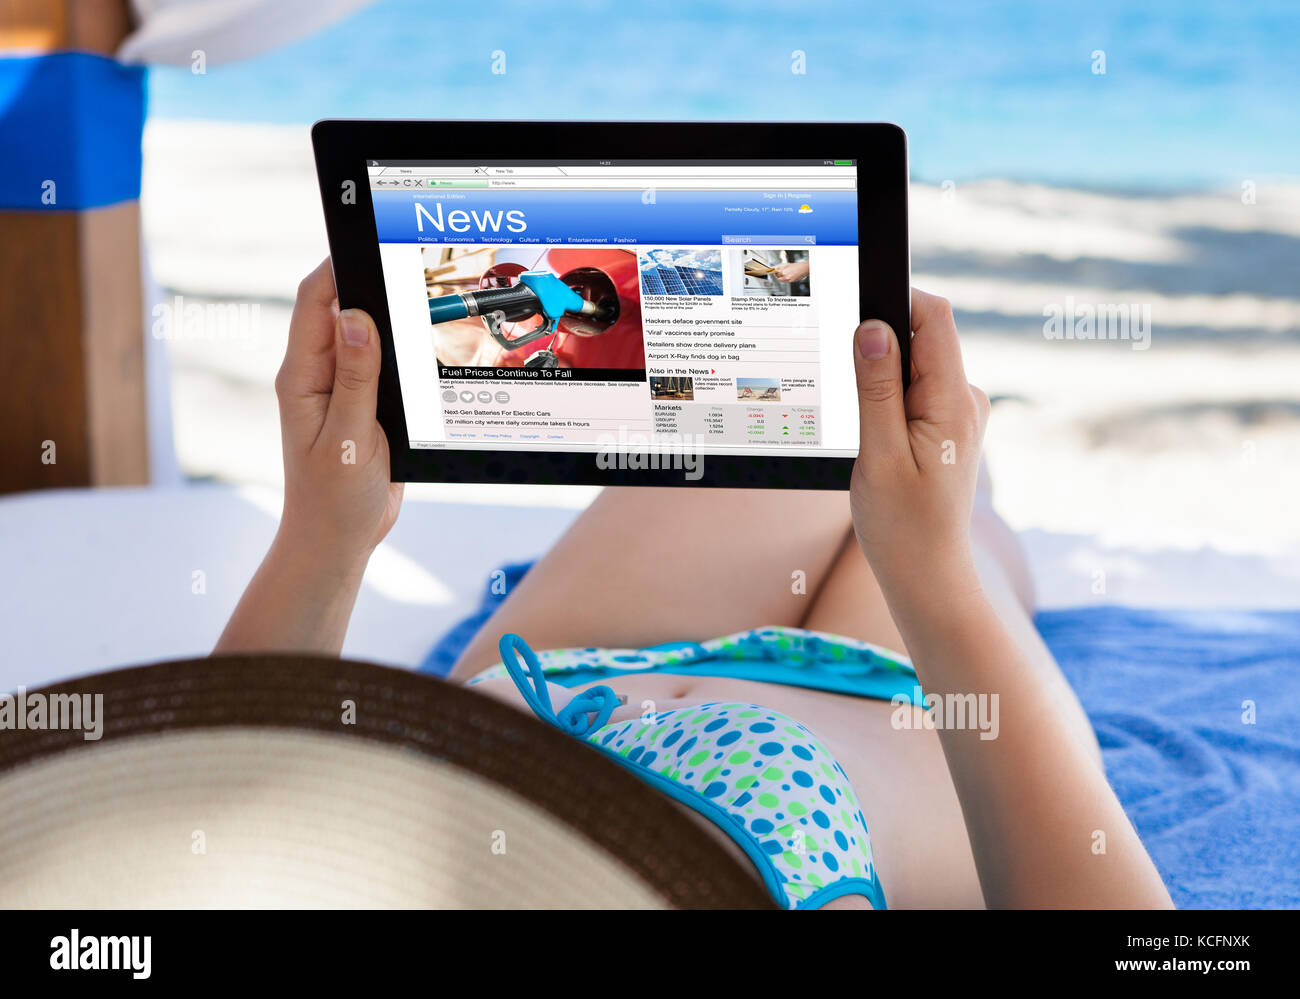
(110, 577)
(96, 579)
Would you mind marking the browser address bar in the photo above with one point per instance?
(698, 183)
(716, 171)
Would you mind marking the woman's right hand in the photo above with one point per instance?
(338, 500)
(913, 484)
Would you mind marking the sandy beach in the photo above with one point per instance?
(1190, 443)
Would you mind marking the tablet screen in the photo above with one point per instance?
(623, 305)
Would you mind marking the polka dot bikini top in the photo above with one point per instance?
(758, 775)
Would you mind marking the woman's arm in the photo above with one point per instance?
(338, 500)
(294, 603)
(1046, 829)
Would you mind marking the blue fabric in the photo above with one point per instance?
(584, 713)
(791, 657)
(1215, 799)
(442, 657)
(74, 119)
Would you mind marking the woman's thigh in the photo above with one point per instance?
(643, 566)
(850, 603)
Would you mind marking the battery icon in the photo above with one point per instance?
(844, 163)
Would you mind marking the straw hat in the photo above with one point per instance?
(302, 781)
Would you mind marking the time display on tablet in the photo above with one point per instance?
(597, 305)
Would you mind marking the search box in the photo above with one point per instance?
(770, 240)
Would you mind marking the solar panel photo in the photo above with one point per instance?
(673, 284)
(681, 272)
(700, 282)
(652, 283)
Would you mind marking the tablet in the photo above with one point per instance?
(621, 303)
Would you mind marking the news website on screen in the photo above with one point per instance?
(623, 304)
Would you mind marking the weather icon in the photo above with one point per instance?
(805, 209)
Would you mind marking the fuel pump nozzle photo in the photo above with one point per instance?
(538, 293)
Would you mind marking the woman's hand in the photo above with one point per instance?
(338, 500)
(913, 484)
(1033, 796)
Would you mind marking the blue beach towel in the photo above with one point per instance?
(1198, 715)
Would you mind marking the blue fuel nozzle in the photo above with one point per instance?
(555, 298)
(537, 293)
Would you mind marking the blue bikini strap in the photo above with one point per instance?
(575, 717)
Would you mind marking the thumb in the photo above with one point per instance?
(354, 399)
(881, 418)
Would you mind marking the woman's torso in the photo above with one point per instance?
(918, 837)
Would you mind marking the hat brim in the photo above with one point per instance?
(295, 780)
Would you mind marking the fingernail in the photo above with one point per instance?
(873, 340)
(356, 331)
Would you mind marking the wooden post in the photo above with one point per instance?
(71, 309)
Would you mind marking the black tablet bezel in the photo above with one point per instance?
(343, 148)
